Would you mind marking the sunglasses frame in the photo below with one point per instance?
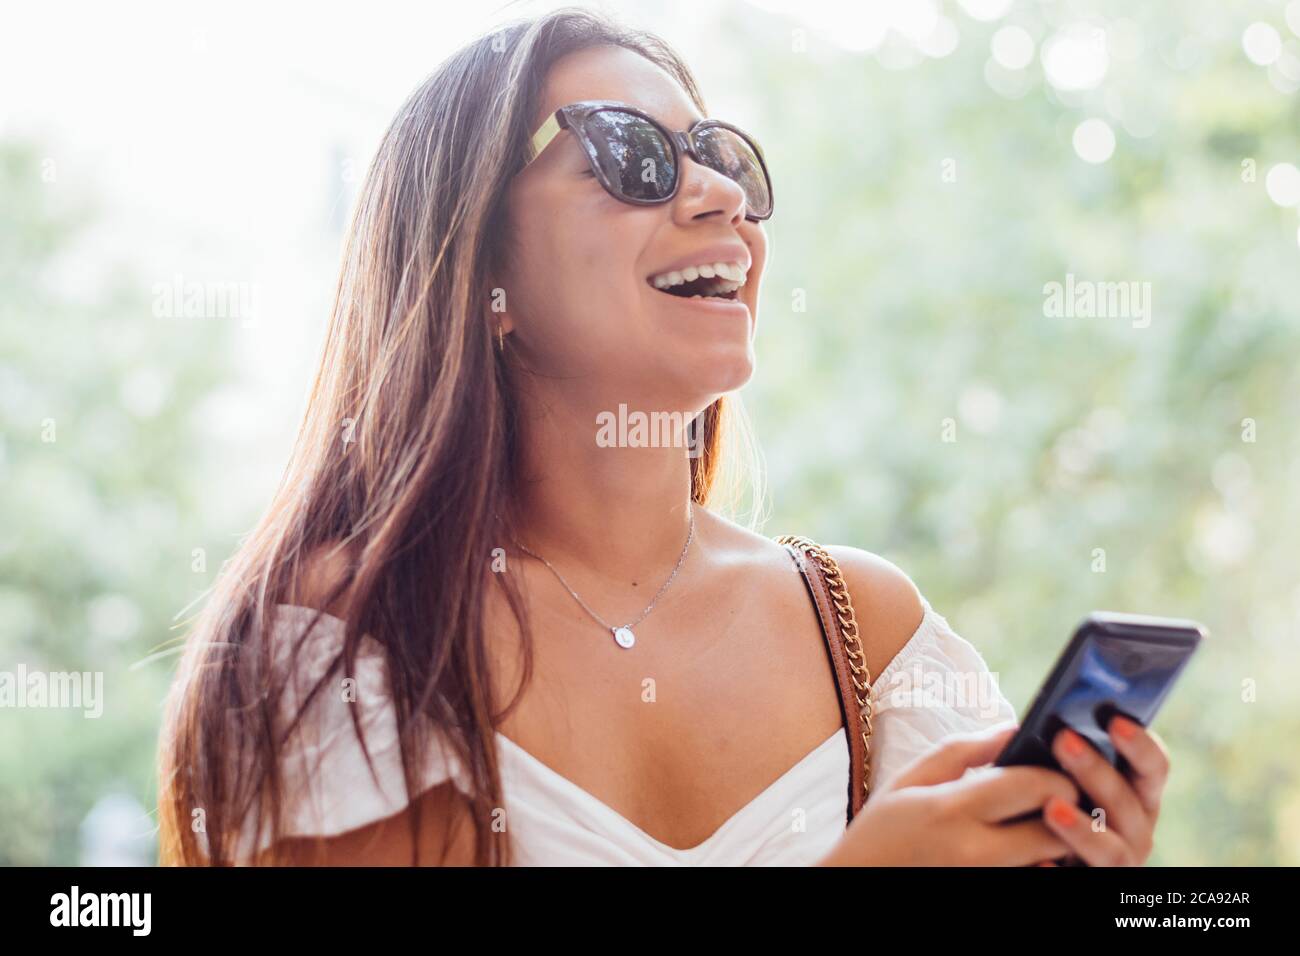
(573, 117)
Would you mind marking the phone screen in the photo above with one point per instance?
(1124, 664)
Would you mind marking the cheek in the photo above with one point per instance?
(578, 272)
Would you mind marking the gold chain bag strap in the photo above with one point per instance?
(830, 595)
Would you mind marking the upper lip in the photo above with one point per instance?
(722, 252)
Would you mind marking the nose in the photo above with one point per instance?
(706, 194)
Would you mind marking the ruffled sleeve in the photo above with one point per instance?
(328, 787)
(938, 684)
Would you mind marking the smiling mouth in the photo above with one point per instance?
(720, 280)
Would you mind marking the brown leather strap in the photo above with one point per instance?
(850, 710)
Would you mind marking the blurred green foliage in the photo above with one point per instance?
(101, 470)
(925, 303)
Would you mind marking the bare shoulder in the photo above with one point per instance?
(887, 604)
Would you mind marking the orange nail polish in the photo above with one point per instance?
(1062, 812)
(1124, 728)
(1072, 744)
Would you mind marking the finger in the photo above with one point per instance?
(1002, 793)
(1105, 786)
(954, 756)
(1148, 757)
(1094, 847)
(1029, 843)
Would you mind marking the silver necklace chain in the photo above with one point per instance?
(622, 635)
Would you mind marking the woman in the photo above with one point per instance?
(472, 628)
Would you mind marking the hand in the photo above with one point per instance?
(1126, 831)
(929, 814)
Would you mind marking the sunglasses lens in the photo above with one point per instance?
(634, 156)
(732, 155)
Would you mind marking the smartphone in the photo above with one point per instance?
(1115, 664)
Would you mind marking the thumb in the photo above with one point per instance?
(954, 755)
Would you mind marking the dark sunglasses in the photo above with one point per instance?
(638, 161)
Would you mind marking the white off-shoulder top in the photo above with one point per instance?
(938, 684)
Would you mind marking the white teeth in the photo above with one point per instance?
(731, 271)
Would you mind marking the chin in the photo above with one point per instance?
(730, 376)
(714, 372)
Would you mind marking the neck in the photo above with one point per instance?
(624, 511)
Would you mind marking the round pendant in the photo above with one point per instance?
(624, 636)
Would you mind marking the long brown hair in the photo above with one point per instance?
(404, 457)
